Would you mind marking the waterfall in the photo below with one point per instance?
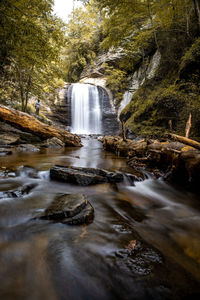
(85, 109)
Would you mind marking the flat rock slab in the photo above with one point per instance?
(84, 176)
(65, 206)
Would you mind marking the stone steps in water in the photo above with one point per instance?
(84, 176)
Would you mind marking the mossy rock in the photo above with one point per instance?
(190, 64)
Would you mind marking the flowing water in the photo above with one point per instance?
(143, 244)
(85, 109)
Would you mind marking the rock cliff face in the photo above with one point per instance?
(97, 70)
(145, 71)
(59, 111)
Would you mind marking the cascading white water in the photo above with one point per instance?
(125, 101)
(85, 109)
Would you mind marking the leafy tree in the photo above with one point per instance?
(32, 40)
(124, 19)
(83, 35)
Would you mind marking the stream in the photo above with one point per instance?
(143, 244)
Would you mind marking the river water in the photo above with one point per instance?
(143, 244)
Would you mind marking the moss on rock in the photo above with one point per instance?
(172, 96)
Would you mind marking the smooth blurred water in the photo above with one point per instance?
(86, 110)
(143, 243)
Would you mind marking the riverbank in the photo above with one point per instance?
(174, 161)
(19, 128)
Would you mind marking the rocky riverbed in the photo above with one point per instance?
(176, 162)
(135, 237)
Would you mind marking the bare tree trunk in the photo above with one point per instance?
(151, 18)
(28, 89)
(22, 96)
(170, 126)
(188, 126)
(73, 7)
(187, 18)
(197, 11)
(185, 140)
(123, 131)
(21, 88)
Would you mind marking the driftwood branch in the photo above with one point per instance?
(123, 131)
(185, 140)
(188, 126)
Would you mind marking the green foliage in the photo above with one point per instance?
(190, 63)
(83, 35)
(116, 81)
(150, 109)
(32, 40)
(137, 28)
(133, 25)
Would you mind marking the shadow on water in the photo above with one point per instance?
(143, 243)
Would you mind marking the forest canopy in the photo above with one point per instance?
(39, 52)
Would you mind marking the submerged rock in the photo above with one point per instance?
(27, 188)
(27, 148)
(4, 152)
(84, 176)
(73, 209)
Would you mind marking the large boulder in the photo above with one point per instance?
(8, 139)
(126, 148)
(187, 169)
(53, 143)
(64, 206)
(84, 176)
(72, 209)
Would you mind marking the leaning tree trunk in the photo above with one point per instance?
(123, 131)
(185, 140)
(27, 123)
(188, 126)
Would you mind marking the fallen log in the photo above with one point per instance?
(30, 124)
(185, 140)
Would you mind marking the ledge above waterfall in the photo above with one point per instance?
(100, 81)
